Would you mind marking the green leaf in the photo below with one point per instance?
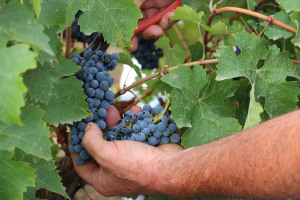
(55, 44)
(53, 12)
(46, 174)
(187, 13)
(32, 137)
(36, 4)
(67, 104)
(125, 58)
(289, 5)
(255, 109)
(202, 105)
(15, 60)
(18, 24)
(275, 32)
(251, 4)
(175, 55)
(115, 20)
(268, 81)
(42, 80)
(242, 98)
(196, 51)
(296, 18)
(15, 176)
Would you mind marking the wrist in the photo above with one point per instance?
(167, 174)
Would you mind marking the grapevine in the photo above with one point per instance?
(224, 67)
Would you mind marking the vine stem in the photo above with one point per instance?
(200, 62)
(68, 43)
(255, 14)
(156, 119)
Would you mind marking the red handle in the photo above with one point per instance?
(142, 25)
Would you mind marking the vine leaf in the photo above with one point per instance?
(296, 18)
(175, 56)
(37, 7)
(46, 175)
(202, 105)
(12, 87)
(55, 44)
(64, 99)
(18, 24)
(255, 109)
(32, 137)
(126, 58)
(116, 20)
(187, 13)
(67, 104)
(251, 4)
(53, 12)
(268, 81)
(275, 32)
(42, 80)
(289, 5)
(15, 176)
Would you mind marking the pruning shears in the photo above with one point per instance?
(99, 44)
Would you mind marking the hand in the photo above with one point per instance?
(148, 9)
(120, 168)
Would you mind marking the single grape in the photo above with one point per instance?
(161, 126)
(77, 148)
(175, 138)
(102, 113)
(74, 139)
(84, 155)
(71, 148)
(79, 160)
(152, 141)
(165, 140)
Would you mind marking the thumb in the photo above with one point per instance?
(94, 143)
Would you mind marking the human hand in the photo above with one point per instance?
(148, 9)
(120, 168)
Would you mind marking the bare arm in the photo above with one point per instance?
(262, 162)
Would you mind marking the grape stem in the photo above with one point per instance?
(158, 117)
(124, 90)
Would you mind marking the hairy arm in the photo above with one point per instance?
(262, 162)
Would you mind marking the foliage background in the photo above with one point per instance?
(35, 100)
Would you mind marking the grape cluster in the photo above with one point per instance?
(148, 54)
(79, 36)
(96, 83)
(141, 128)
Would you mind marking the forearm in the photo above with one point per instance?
(262, 162)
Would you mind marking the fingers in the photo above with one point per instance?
(134, 44)
(95, 144)
(136, 109)
(154, 31)
(86, 171)
(113, 117)
(166, 22)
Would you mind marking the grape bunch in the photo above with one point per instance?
(152, 126)
(148, 54)
(79, 36)
(96, 83)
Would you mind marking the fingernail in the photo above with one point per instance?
(88, 127)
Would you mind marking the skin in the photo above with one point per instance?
(148, 9)
(260, 163)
